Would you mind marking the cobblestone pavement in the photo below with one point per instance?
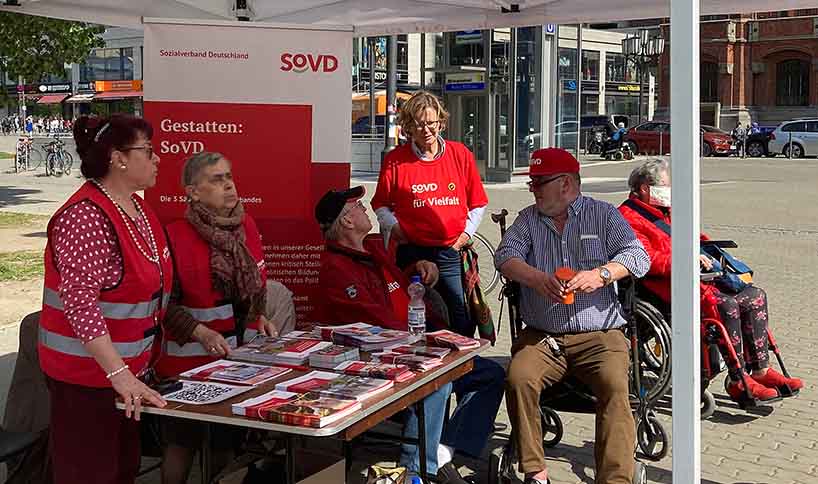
(766, 205)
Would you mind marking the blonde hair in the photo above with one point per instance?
(419, 102)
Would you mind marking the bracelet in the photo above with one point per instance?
(116, 372)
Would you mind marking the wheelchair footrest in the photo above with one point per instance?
(785, 391)
(747, 403)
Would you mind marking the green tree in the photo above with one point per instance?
(33, 47)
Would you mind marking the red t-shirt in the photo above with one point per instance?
(430, 199)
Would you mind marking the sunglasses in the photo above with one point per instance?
(540, 182)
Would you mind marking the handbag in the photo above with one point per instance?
(386, 475)
(736, 275)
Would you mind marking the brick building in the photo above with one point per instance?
(761, 67)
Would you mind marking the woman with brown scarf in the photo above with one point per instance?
(218, 298)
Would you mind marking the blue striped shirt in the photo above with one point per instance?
(594, 234)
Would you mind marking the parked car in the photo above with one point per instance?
(565, 136)
(800, 136)
(654, 137)
(361, 125)
(757, 145)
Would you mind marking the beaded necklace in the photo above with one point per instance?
(154, 255)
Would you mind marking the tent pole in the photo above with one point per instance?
(684, 116)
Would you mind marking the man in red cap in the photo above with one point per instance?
(565, 229)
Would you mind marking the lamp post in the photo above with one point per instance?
(643, 49)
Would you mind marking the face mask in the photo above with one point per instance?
(660, 196)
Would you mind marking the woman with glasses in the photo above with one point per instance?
(218, 300)
(430, 199)
(108, 276)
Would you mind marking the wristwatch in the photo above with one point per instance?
(605, 274)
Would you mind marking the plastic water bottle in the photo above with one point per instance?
(417, 308)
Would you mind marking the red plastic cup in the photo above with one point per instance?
(565, 274)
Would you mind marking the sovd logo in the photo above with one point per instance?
(424, 187)
(313, 62)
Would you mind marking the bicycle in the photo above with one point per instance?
(489, 276)
(58, 160)
(26, 157)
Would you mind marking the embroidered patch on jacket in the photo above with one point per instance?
(352, 291)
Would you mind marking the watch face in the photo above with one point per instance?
(605, 273)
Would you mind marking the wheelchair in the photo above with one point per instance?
(714, 335)
(650, 376)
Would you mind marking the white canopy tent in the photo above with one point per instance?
(378, 17)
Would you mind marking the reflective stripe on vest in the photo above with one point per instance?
(111, 310)
(74, 346)
(205, 315)
(194, 348)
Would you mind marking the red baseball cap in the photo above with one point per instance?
(550, 161)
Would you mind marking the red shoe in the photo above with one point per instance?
(773, 379)
(757, 391)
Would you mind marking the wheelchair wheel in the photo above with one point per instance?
(500, 467)
(640, 473)
(708, 404)
(489, 275)
(551, 424)
(652, 438)
(654, 351)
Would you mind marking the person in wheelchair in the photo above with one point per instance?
(360, 281)
(743, 314)
(564, 228)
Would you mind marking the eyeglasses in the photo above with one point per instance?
(148, 149)
(357, 204)
(432, 125)
(533, 184)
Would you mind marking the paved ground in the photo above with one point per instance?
(767, 205)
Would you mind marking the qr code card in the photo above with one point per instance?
(204, 393)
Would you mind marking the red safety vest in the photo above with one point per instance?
(132, 309)
(191, 256)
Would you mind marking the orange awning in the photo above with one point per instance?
(117, 94)
(52, 98)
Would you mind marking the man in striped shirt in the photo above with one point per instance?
(573, 325)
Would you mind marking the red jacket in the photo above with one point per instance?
(354, 286)
(191, 257)
(657, 244)
(132, 309)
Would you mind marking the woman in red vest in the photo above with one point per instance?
(218, 299)
(108, 277)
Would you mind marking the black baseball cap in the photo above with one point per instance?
(332, 203)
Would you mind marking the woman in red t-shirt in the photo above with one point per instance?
(431, 200)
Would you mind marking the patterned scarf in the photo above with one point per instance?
(476, 306)
(233, 269)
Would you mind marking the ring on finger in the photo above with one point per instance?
(137, 397)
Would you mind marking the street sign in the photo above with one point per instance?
(466, 37)
(466, 81)
(550, 29)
